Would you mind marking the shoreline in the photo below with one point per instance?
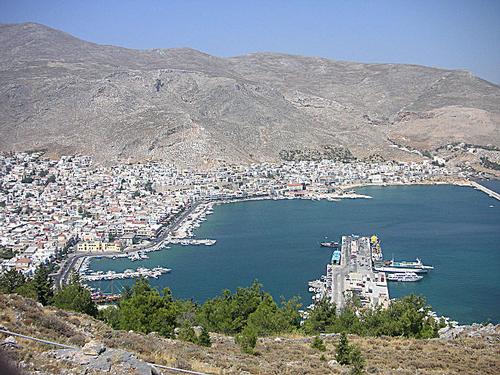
(184, 216)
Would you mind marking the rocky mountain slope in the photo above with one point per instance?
(66, 95)
(100, 349)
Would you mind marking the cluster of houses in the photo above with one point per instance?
(48, 206)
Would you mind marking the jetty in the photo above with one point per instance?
(352, 276)
(484, 189)
(192, 241)
(127, 274)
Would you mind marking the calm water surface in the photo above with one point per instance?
(277, 242)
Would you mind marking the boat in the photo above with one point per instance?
(135, 256)
(390, 269)
(336, 257)
(404, 277)
(407, 264)
(330, 244)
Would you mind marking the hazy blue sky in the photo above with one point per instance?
(451, 34)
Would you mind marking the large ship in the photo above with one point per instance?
(391, 269)
(406, 264)
(404, 277)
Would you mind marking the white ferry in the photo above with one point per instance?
(391, 269)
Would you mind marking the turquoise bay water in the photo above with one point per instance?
(277, 242)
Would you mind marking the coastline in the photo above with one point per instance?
(455, 182)
(184, 217)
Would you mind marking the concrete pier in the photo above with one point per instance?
(484, 189)
(353, 278)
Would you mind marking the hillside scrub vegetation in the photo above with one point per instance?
(72, 297)
(289, 354)
(249, 313)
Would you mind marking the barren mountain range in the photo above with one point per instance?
(65, 95)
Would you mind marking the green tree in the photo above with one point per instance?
(342, 353)
(407, 316)
(229, 312)
(186, 333)
(11, 280)
(318, 344)
(6, 253)
(110, 315)
(347, 321)
(321, 317)
(28, 290)
(269, 319)
(146, 310)
(75, 297)
(247, 340)
(357, 361)
(43, 285)
(204, 339)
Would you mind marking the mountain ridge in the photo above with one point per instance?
(187, 107)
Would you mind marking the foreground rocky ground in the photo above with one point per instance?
(100, 349)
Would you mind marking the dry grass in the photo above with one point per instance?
(290, 354)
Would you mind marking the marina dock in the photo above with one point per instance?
(127, 274)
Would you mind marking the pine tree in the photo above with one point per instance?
(342, 354)
(75, 297)
(204, 339)
(321, 318)
(186, 333)
(11, 280)
(43, 285)
(247, 340)
(357, 361)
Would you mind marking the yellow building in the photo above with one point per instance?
(97, 246)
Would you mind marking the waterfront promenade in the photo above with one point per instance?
(75, 260)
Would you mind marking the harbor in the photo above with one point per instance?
(278, 243)
(350, 276)
(357, 274)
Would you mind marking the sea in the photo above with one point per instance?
(455, 229)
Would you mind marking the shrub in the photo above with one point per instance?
(204, 339)
(186, 333)
(247, 340)
(317, 343)
(342, 354)
(357, 361)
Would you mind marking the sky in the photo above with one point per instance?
(453, 34)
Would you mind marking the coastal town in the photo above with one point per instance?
(49, 208)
